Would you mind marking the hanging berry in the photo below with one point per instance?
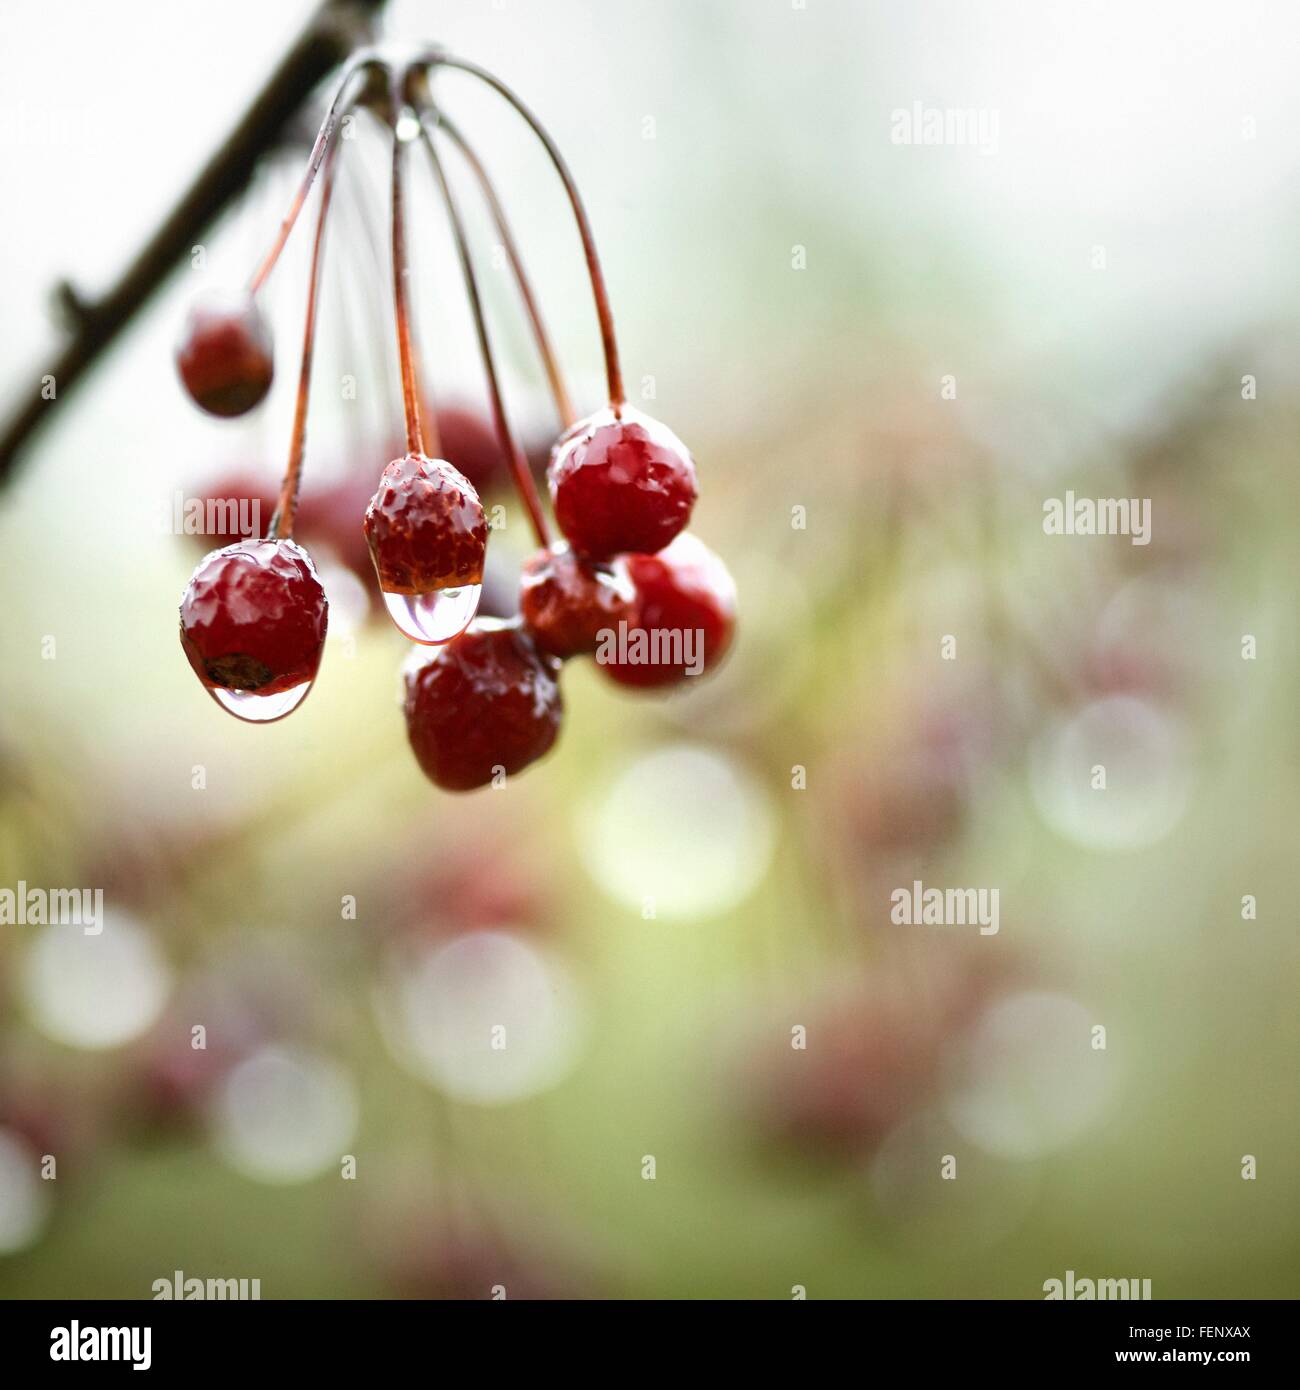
(483, 706)
(224, 355)
(253, 622)
(621, 481)
(428, 541)
(567, 603)
(685, 615)
(628, 585)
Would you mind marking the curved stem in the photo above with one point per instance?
(527, 489)
(545, 349)
(613, 372)
(286, 509)
(364, 61)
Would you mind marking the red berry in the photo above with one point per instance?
(621, 483)
(485, 701)
(224, 356)
(426, 527)
(253, 622)
(684, 616)
(567, 603)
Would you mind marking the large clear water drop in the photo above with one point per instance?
(260, 709)
(435, 617)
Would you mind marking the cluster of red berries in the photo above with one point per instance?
(627, 584)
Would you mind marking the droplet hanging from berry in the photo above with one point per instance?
(252, 623)
(435, 617)
(255, 708)
(428, 540)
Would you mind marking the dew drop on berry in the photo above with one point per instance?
(435, 617)
(260, 709)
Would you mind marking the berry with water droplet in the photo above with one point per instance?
(486, 703)
(621, 483)
(685, 615)
(567, 603)
(224, 355)
(253, 621)
(428, 541)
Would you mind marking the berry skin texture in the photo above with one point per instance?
(685, 607)
(624, 483)
(253, 617)
(566, 603)
(224, 356)
(426, 527)
(487, 700)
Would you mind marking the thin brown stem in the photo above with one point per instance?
(401, 294)
(523, 478)
(545, 349)
(286, 509)
(365, 61)
(613, 372)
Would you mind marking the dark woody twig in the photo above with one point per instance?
(335, 29)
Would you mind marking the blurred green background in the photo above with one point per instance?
(917, 345)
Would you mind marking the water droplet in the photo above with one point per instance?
(260, 709)
(407, 127)
(435, 617)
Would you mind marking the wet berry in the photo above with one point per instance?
(624, 483)
(486, 701)
(426, 528)
(684, 616)
(567, 603)
(253, 622)
(428, 541)
(224, 356)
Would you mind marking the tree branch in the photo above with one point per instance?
(335, 29)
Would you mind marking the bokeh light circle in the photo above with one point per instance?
(1147, 760)
(1027, 1080)
(486, 1018)
(24, 1202)
(284, 1115)
(95, 991)
(684, 830)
